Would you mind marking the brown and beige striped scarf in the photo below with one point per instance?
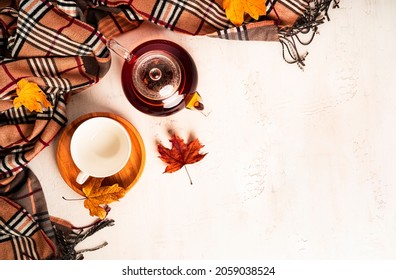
(61, 46)
(28, 232)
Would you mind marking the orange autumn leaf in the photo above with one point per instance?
(236, 9)
(31, 96)
(180, 154)
(97, 195)
(95, 209)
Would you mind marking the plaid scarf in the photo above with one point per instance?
(61, 46)
(28, 232)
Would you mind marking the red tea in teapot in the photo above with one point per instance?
(158, 77)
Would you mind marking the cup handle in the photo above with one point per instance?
(82, 177)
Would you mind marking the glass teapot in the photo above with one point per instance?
(159, 77)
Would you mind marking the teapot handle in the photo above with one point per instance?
(119, 49)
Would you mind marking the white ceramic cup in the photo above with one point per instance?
(100, 147)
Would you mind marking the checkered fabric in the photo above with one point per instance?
(20, 236)
(27, 231)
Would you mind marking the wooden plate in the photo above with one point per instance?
(126, 178)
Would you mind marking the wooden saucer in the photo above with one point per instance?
(126, 178)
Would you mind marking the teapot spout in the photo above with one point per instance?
(119, 49)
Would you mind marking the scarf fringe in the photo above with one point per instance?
(306, 26)
(67, 242)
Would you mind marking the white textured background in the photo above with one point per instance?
(300, 164)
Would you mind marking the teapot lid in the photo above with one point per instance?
(156, 75)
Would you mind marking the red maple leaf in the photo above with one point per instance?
(180, 154)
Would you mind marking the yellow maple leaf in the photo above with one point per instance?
(97, 195)
(31, 96)
(236, 9)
